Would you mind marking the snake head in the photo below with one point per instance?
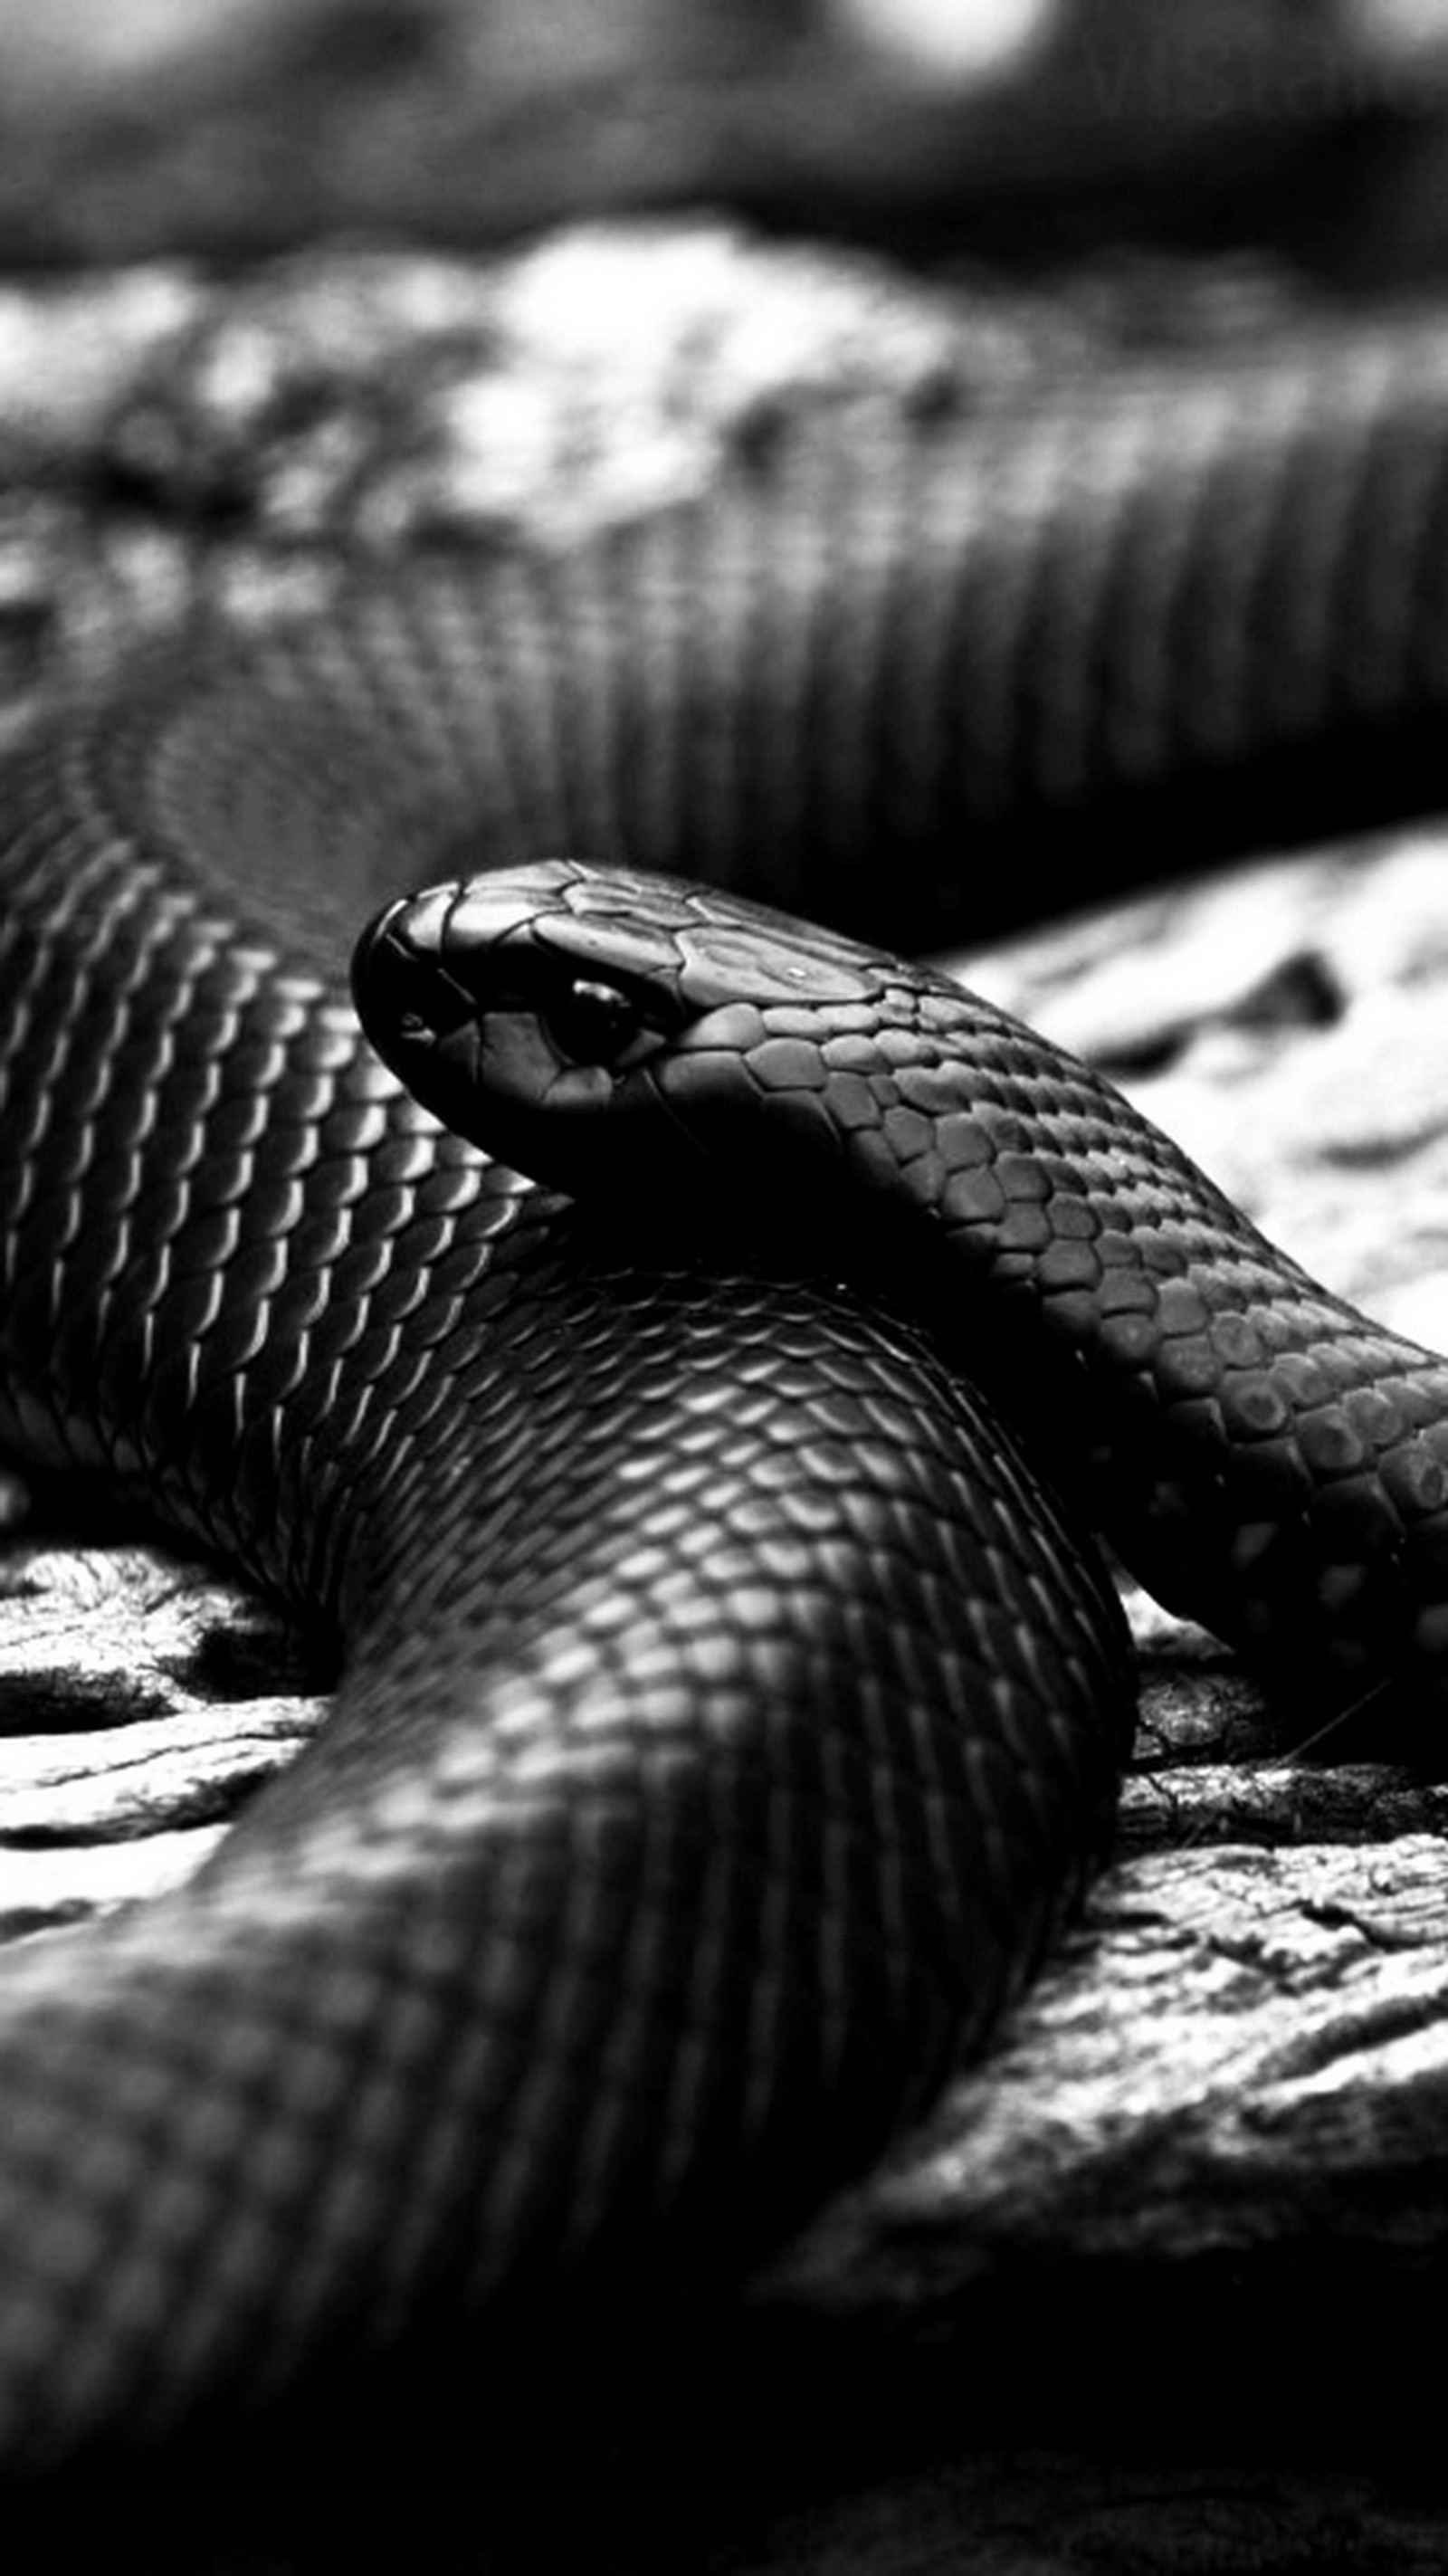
(598, 1029)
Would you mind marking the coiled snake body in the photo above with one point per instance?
(728, 1718)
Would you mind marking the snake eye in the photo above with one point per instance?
(594, 1023)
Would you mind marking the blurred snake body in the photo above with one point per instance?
(729, 1714)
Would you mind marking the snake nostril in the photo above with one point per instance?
(399, 991)
(444, 1005)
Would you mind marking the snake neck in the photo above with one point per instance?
(1265, 1458)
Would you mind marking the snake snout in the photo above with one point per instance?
(399, 981)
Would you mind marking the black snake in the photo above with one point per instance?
(728, 1720)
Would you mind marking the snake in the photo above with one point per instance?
(671, 1361)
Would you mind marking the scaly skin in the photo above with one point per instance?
(1268, 1460)
(703, 1780)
